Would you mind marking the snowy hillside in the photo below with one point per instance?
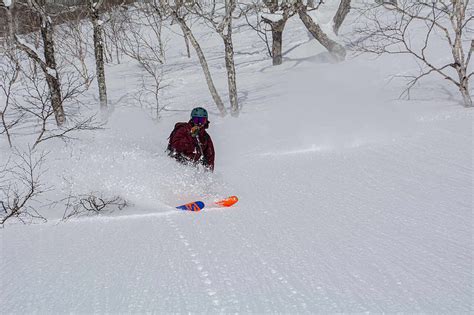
(351, 200)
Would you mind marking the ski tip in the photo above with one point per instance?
(227, 202)
(192, 206)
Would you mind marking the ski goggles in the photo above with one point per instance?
(199, 120)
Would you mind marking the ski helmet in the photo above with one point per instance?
(199, 112)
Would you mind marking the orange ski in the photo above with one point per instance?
(227, 202)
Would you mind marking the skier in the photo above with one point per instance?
(189, 143)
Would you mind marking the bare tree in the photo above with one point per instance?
(153, 89)
(225, 31)
(91, 204)
(342, 11)
(413, 28)
(154, 20)
(334, 48)
(253, 10)
(48, 65)
(220, 19)
(20, 185)
(143, 43)
(117, 23)
(94, 7)
(276, 13)
(279, 14)
(186, 44)
(37, 110)
(179, 17)
(10, 24)
(74, 47)
(9, 79)
(65, 134)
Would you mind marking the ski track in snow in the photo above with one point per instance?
(194, 257)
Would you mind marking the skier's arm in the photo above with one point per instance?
(181, 142)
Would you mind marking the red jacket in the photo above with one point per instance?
(184, 148)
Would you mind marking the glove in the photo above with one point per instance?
(195, 131)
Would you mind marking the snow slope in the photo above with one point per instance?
(350, 200)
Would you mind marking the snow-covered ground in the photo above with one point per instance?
(350, 199)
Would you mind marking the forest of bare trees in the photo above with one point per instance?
(46, 45)
(412, 28)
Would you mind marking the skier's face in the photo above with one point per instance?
(201, 121)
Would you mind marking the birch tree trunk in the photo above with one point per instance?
(277, 42)
(461, 62)
(94, 7)
(461, 65)
(202, 59)
(231, 75)
(464, 89)
(53, 80)
(10, 27)
(225, 30)
(336, 49)
(48, 66)
(186, 42)
(277, 28)
(342, 11)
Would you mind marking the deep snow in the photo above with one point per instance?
(350, 199)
